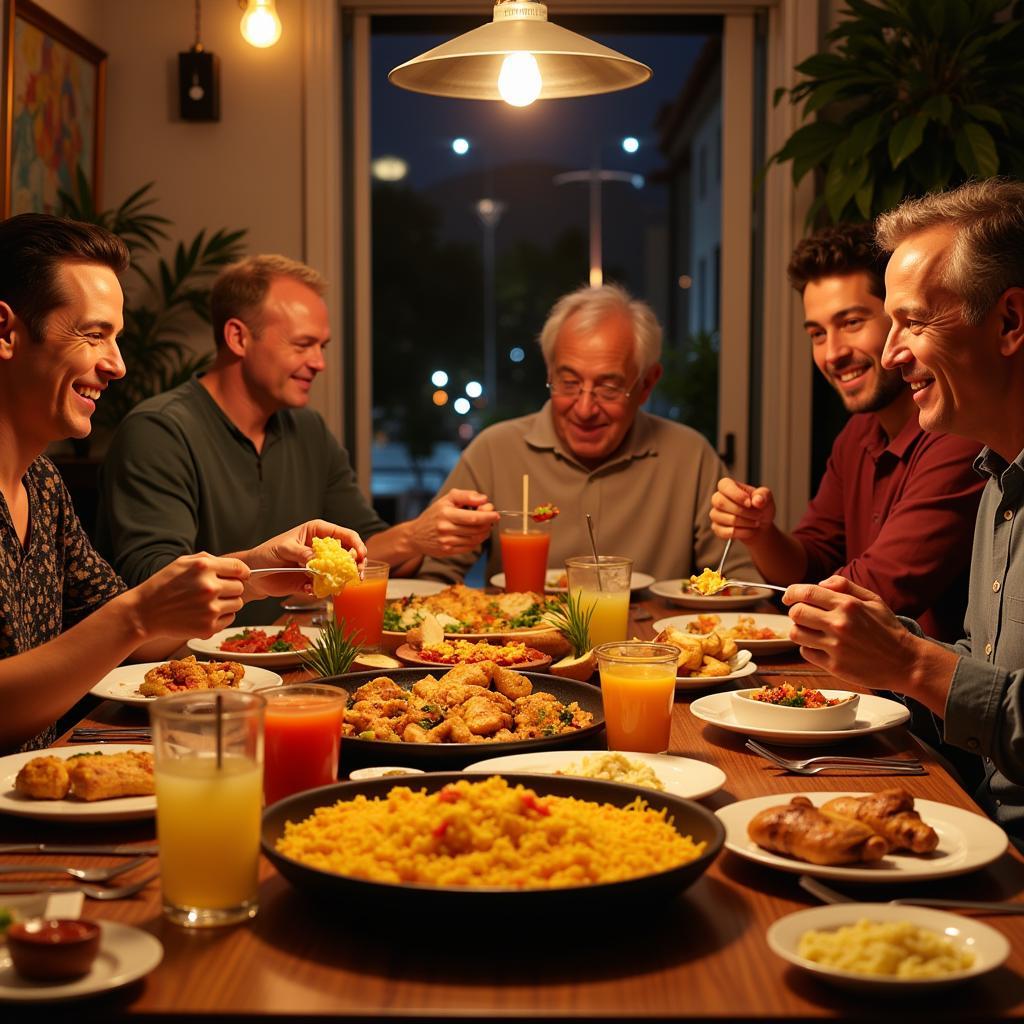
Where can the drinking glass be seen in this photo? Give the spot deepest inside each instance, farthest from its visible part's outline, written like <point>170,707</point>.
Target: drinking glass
<point>603,586</point>
<point>524,552</point>
<point>208,759</point>
<point>359,608</point>
<point>302,737</point>
<point>638,686</point>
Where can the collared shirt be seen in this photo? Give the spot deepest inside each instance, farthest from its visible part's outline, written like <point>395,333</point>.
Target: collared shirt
<point>897,517</point>
<point>984,710</point>
<point>650,501</point>
<point>180,477</point>
<point>53,581</point>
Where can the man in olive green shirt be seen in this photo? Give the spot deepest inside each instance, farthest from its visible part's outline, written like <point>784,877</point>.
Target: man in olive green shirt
<point>234,455</point>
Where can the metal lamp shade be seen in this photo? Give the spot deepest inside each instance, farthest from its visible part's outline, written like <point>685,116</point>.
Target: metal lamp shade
<point>467,67</point>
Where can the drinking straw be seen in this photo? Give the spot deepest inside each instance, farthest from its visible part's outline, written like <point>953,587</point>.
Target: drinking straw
<point>526,500</point>
<point>593,547</point>
<point>219,701</point>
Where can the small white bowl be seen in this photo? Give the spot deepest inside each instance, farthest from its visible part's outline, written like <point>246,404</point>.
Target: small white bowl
<point>759,713</point>
<point>990,947</point>
<point>378,771</point>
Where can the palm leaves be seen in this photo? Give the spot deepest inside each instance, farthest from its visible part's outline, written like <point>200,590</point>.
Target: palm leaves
<point>915,96</point>
<point>173,296</point>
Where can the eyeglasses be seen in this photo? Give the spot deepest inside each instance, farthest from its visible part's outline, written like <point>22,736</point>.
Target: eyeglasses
<point>571,387</point>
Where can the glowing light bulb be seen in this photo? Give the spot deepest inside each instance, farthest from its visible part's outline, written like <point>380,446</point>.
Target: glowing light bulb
<point>261,26</point>
<point>519,81</point>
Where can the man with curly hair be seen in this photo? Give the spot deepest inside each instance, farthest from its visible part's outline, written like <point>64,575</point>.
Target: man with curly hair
<point>895,509</point>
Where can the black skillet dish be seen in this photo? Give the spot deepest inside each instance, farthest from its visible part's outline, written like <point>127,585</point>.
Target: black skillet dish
<point>687,817</point>
<point>357,753</point>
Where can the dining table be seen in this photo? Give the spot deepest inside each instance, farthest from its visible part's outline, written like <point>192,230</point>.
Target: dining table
<point>701,955</point>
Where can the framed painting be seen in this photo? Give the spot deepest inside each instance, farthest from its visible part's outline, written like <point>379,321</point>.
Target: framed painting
<point>52,107</point>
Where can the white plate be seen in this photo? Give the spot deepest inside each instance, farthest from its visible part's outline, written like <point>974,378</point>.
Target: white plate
<point>873,715</point>
<point>413,588</point>
<point>740,663</point>
<point>989,946</point>
<point>967,841</point>
<point>681,776</point>
<point>123,683</point>
<point>210,648</point>
<point>779,623</point>
<point>672,591</point>
<point>125,954</point>
<point>637,581</point>
<point>64,905</point>
<point>122,808</point>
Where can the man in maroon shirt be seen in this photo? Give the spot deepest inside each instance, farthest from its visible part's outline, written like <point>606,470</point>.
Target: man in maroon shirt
<point>896,507</point>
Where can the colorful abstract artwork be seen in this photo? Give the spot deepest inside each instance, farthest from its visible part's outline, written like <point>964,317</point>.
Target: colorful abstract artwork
<point>55,110</point>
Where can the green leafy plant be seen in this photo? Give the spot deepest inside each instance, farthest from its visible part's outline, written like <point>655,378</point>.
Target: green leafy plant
<point>569,618</point>
<point>915,96</point>
<point>331,653</point>
<point>171,298</point>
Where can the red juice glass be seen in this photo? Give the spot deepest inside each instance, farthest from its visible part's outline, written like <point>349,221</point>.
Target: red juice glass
<point>359,608</point>
<point>524,552</point>
<point>302,737</point>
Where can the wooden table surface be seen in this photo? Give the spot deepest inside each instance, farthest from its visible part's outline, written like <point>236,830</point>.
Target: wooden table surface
<point>703,955</point>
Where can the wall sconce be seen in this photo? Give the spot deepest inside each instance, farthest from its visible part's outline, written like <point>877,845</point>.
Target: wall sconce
<point>519,57</point>
<point>261,25</point>
<point>198,82</point>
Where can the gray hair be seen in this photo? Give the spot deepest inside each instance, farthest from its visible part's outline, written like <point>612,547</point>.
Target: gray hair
<point>987,254</point>
<point>595,306</point>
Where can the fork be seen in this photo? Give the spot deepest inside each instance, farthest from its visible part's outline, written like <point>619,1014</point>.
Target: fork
<point>814,765</point>
<point>94,892</point>
<point>829,895</point>
<point>747,583</point>
<point>82,874</point>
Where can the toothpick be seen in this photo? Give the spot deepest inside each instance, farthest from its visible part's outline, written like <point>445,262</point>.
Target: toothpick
<point>526,501</point>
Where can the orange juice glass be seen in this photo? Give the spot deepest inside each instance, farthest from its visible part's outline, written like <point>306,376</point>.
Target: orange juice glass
<point>302,737</point>
<point>359,608</point>
<point>638,687</point>
<point>524,554</point>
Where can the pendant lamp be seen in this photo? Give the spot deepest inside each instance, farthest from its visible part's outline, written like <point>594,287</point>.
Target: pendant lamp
<point>519,57</point>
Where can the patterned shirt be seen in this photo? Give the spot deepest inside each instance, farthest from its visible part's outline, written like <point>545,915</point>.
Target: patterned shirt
<point>56,579</point>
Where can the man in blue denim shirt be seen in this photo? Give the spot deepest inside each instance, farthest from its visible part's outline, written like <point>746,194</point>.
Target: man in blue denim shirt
<point>955,293</point>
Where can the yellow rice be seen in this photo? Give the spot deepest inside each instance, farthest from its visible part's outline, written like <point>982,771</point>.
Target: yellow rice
<point>487,834</point>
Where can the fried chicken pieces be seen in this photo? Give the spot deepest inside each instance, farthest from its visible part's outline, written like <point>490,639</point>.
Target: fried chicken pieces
<point>476,703</point>
<point>87,776</point>
<point>845,830</point>
<point>189,674</point>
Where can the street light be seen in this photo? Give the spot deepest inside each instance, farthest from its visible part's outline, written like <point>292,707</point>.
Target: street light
<point>460,146</point>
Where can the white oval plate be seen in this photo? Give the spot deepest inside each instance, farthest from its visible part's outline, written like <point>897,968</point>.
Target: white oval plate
<point>637,581</point>
<point>779,623</point>
<point>989,946</point>
<point>681,776</point>
<point>672,591</point>
<point>123,683</point>
<point>873,715</point>
<point>126,953</point>
<point>210,647</point>
<point>967,841</point>
<point>740,663</point>
<point>413,588</point>
<point>122,808</point>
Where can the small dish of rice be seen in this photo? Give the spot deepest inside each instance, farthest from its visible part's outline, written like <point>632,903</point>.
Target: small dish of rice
<point>882,948</point>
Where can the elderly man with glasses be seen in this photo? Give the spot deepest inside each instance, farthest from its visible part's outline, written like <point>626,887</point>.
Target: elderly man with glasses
<point>647,482</point>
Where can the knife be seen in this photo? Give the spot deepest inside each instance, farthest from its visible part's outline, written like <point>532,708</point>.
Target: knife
<point>111,851</point>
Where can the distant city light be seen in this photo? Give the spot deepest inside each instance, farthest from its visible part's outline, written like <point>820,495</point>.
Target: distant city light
<point>466,431</point>
<point>637,181</point>
<point>461,406</point>
<point>439,378</point>
<point>474,389</point>
<point>460,146</point>
<point>389,168</point>
<point>517,355</point>
<point>441,397</point>
<point>630,143</point>
<point>685,281</point>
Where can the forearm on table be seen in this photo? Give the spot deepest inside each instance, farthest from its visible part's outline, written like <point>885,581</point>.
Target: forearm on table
<point>926,674</point>
<point>38,686</point>
<point>396,546</point>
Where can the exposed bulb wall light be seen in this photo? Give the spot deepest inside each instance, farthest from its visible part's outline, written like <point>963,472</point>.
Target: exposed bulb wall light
<point>261,25</point>
<point>519,57</point>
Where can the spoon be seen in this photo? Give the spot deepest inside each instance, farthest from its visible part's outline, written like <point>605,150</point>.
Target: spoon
<point>725,555</point>
<point>593,547</point>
